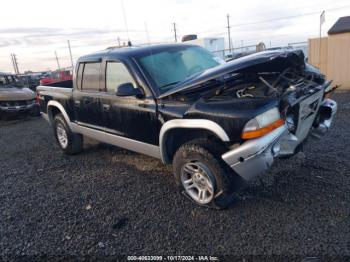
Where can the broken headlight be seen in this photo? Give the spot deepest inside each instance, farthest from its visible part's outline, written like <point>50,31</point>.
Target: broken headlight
<point>262,124</point>
<point>290,123</point>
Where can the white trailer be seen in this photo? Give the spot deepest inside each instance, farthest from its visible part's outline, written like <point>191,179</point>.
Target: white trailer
<point>215,45</point>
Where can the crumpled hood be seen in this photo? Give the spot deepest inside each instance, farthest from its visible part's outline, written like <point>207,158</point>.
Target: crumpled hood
<point>14,94</point>
<point>258,62</point>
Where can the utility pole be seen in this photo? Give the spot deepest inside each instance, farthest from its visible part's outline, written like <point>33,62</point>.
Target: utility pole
<point>175,35</point>
<point>147,34</point>
<point>58,63</point>
<point>118,39</point>
<point>322,20</point>
<point>71,57</point>
<point>229,33</point>
<point>15,63</point>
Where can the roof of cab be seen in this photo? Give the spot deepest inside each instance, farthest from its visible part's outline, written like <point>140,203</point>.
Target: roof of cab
<point>131,51</point>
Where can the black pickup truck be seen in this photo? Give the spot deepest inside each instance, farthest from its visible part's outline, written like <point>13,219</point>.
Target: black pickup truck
<point>217,123</point>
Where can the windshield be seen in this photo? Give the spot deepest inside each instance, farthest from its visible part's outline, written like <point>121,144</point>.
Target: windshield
<point>169,67</point>
<point>10,81</point>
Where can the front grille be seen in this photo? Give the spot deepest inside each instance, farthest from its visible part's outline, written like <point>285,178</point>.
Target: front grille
<point>308,109</point>
<point>16,103</point>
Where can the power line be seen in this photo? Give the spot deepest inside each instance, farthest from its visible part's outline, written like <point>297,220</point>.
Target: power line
<point>125,21</point>
<point>276,19</point>
<point>289,17</point>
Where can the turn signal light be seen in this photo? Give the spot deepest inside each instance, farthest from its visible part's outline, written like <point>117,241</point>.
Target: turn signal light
<point>262,131</point>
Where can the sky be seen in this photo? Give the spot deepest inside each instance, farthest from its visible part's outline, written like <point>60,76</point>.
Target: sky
<point>34,30</point>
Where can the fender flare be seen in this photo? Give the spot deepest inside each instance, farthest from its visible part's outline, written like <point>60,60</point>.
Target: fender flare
<point>188,124</point>
<point>58,105</point>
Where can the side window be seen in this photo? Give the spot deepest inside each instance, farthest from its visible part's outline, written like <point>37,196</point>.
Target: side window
<point>79,75</point>
<point>8,79</point>
<point>116,74</point>
<point>91,76</point>
<point>2,80</point>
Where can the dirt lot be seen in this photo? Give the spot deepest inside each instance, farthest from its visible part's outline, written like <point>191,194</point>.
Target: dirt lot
<point>109,201</point>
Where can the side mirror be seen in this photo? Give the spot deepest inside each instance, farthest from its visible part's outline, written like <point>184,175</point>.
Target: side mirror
<point>128,89</point>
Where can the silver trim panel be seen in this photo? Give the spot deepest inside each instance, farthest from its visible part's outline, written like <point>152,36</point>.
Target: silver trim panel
<point>101,128</point>
<point>255,156</point>
<point>288,145</point>
<point>53,103</point>
<point>190,124</point>
<point>101,135</point>
<point>127,143</point>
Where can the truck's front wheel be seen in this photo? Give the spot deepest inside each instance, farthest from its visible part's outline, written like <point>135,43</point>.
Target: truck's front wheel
<point>70,143</point>
<point>202,175</point>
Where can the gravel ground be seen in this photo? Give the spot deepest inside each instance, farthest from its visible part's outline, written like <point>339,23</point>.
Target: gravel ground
<point>109,201</point>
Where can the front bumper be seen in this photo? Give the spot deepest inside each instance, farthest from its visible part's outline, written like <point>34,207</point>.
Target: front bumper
<point>327,112</point>
<point>255,156</point>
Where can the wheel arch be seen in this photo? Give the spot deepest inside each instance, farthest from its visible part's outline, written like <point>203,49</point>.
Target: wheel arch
<point>54,107</point>
<point>185,130</point>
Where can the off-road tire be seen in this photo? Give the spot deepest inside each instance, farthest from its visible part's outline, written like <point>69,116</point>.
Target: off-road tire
<point>74,141</point>
<point>209,153</point>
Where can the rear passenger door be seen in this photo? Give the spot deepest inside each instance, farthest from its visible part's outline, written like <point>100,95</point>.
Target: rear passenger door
<point>86,95</point>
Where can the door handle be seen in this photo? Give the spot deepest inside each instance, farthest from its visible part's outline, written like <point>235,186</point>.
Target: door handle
<point>77,103</point>
<point>106,107</point>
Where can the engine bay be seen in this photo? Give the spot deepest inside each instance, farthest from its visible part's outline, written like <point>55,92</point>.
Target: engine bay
<point>276,84</point>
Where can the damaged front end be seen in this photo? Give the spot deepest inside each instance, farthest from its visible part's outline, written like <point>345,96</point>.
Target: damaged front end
<point>255,156</point>
<point>268,104</point>
<point>303,107</point>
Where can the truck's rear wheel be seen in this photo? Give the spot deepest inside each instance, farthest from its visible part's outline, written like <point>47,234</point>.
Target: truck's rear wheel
<point>70,143</point>
<point>202,175</point>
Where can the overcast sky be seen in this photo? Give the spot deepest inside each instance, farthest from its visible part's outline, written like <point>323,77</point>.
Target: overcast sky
<point>35,29</point>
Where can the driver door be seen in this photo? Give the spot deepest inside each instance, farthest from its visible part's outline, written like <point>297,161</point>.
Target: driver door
<point>132,117</point>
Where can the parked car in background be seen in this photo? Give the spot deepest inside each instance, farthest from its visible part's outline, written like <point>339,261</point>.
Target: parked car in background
<point>31,81</point>
<point>217,123</point>
<point>15,99</point>
<point>236,55</point>
<point>57,76</point>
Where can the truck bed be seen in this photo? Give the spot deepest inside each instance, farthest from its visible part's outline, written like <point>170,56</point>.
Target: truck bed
<point>60,92</point>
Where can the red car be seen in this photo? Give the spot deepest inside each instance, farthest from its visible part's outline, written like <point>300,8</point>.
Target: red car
<point>56,76</point>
